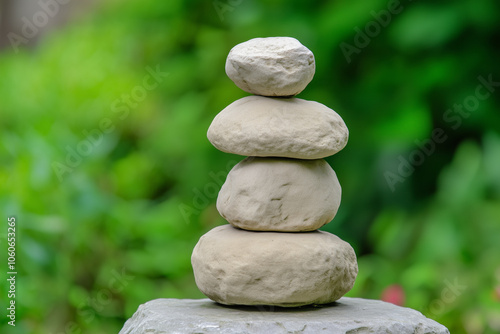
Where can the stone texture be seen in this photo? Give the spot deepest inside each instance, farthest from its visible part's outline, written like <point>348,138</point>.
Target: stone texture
<point>233,266</point>
<point>279,127</point>
<point>347,316</point>
<point>280,194</point>
<point>273,66</point>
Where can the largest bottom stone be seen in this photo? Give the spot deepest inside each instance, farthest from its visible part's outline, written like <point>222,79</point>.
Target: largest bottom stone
<point>233,266</point>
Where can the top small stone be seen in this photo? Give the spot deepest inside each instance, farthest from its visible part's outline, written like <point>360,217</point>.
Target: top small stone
<point>272,66</point>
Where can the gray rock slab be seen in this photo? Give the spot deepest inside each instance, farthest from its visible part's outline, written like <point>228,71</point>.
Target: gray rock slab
<point>347,315</point>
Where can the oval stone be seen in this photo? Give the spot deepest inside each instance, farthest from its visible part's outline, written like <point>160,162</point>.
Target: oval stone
<point>279,127</point>
<point>272,66</point>
<point>233,266</point>
<point>280,194</point>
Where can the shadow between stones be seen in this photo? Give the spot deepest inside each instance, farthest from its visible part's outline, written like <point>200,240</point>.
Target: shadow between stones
<point>280,309</point>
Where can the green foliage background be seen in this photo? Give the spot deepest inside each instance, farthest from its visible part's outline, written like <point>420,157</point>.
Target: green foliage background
<point>136,205</point>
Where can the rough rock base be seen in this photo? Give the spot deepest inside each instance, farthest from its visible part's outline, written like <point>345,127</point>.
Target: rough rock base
<point>347,315</point>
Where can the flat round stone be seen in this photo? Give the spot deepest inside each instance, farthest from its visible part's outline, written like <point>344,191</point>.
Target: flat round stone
<point>280,194</point>
<point>272,66</point>
<point>279,127</point>
<point>233,266</point>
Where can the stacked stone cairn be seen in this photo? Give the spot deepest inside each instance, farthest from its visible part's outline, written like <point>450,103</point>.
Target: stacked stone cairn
<point>276,199</point>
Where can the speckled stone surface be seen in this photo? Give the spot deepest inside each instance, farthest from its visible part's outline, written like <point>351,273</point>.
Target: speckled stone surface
<point>347,315</point>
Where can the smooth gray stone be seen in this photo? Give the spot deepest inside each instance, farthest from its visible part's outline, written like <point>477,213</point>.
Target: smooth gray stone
<point>280,194</point>
<point>347,315</point>
<point>278,127</point>
<point>236,267</point>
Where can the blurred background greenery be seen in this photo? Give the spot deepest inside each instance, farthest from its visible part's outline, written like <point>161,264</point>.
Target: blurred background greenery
<point>112,180</point>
